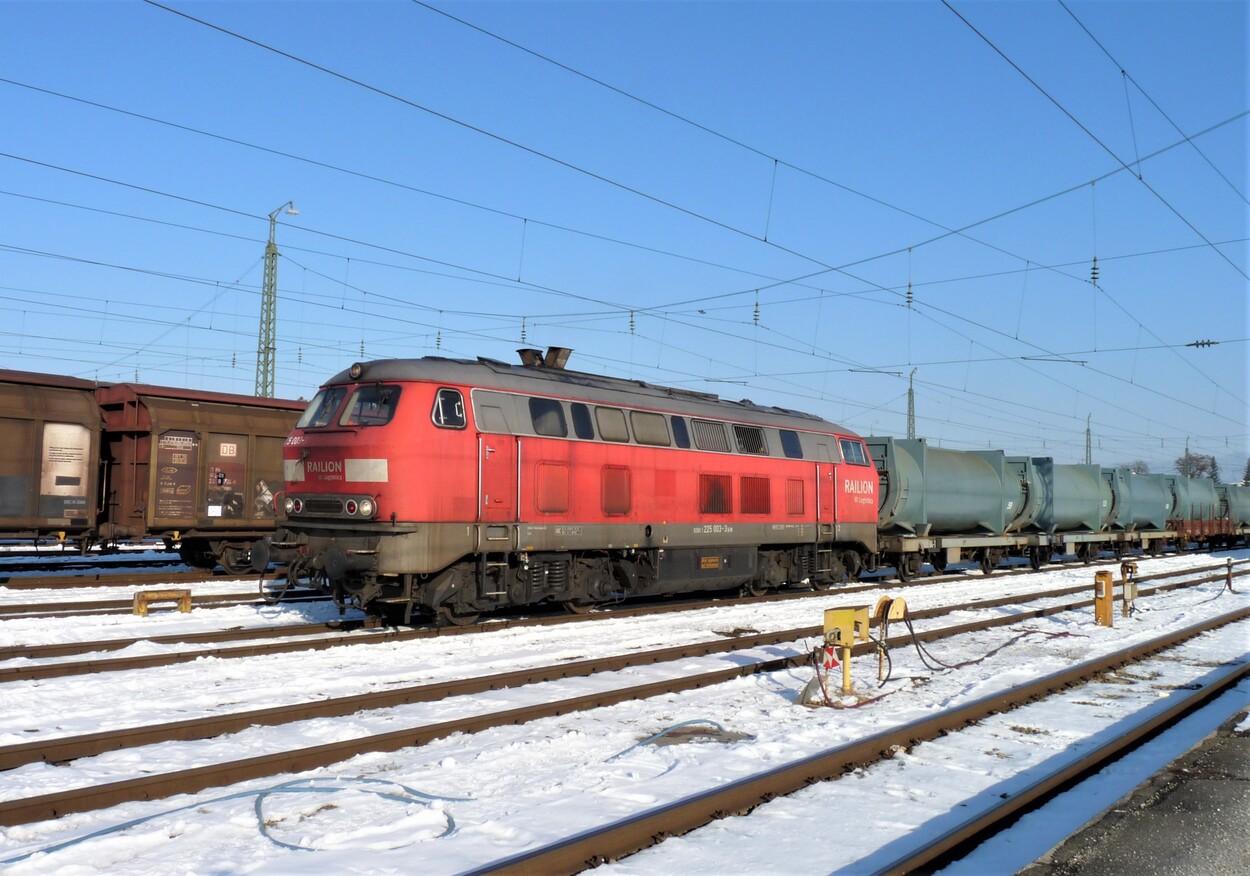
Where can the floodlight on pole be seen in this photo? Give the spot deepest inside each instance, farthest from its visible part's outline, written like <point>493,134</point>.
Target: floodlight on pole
<point>265,345</point>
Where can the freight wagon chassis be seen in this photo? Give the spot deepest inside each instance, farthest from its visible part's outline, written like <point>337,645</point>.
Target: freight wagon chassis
<point>908,553</point>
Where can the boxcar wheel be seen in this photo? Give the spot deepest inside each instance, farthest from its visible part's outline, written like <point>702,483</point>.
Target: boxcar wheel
<point>1035,558</point>
<point>908,566</point>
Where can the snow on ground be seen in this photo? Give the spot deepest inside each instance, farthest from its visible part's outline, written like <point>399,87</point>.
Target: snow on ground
<point>509,788</point>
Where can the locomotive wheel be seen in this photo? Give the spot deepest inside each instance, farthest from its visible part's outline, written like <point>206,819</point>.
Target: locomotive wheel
<point>753,588</point>
<point>853,564</point>
<point>579,606</point>
<point>448,616</point>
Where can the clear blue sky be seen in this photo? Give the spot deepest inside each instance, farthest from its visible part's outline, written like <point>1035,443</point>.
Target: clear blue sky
<point>634,180</point>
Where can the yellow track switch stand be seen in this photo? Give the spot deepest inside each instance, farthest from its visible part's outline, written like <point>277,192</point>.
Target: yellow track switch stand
<point>1104,599</point>
<point>1128,580</point>
<point>843,628</point>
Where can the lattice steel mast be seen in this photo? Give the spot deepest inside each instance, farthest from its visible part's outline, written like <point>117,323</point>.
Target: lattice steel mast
<point>265,345</point>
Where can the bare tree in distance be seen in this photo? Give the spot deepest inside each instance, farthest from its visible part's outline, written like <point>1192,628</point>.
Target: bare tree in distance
<point>1198,465</point>
<point>1139,466</point>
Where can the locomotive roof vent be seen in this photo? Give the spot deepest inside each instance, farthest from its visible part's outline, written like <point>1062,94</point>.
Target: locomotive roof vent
<point>555,358</point>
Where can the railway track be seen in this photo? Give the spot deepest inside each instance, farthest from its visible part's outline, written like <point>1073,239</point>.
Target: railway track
<point>305,637</point>
<point>318,636</point>
<point>259,765</point>
<point>629,835</point>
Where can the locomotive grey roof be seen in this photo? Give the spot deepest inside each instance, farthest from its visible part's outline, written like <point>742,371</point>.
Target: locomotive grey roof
<point>536,379</point>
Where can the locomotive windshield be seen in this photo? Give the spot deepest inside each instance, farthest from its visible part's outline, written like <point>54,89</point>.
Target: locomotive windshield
<point>371,405</point>
<point>320,411</point>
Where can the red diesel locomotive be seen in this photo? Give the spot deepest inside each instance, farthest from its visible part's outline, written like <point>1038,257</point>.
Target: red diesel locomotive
<point>448,487</point>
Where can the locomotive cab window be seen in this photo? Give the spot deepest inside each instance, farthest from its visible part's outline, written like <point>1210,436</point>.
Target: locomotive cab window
<point>853,451</point>
<point>321,410</point>
<point>547,415</point>
<point>448,410</point>
<point>372,405</point>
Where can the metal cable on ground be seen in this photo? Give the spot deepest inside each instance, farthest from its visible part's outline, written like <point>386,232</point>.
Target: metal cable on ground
<point>405,794</point>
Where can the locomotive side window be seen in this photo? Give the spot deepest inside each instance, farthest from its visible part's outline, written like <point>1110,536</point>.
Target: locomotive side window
<point>750,439</point>
<point>448,409</point>
<point>853,451</point>
<point>611,424</point>
<point>615,490</point>
<point>320,411</point>
<point>681,436</point>
<point>790,444</point>
<point>715,493</point>
<point>372,405</point>
<point>755,495</point>
<point>582,426</point>
<point>547,415</point>
<point>649,428</point>
<point>710,436</point>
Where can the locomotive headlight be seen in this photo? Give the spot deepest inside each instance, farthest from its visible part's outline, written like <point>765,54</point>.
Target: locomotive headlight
<point>366,508</point>
<point>297,505</point>
<point>351,507</point>
<point>289,505</point>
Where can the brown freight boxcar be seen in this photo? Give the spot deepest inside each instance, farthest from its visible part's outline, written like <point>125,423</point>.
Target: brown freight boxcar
<point>199,469</point>
<point>49,456</point>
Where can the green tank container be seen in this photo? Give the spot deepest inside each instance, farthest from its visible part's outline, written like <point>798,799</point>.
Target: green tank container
<point>1234,503</point>
<point>927,491</point>
<point>1176,488</point>
<point>1204,504</point>
<point>1150,502</point>
<point>1117,491</point>
<point>1074,496</point>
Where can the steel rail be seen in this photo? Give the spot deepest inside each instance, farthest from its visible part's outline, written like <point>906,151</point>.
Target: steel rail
<point>610,842</point>
<point>1047,785</point>
<point>51,610</point>
<point>123,577</point>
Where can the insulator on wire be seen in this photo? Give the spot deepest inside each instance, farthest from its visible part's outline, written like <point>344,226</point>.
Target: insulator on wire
<point>438,340</point>
<point>631,322</point>
<point>910,297</point>
<point>1093,272</point>
<point>757,312</point>
<point>522,330</point>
